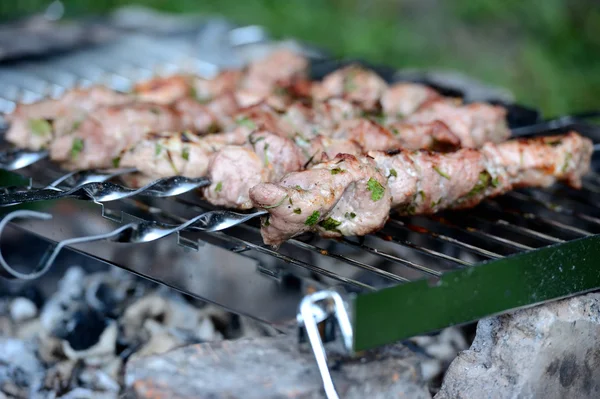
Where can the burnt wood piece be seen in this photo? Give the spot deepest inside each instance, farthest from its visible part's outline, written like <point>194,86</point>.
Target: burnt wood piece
<point>272,368</point>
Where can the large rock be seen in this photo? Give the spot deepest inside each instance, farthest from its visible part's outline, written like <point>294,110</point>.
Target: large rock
<point>550,351</point>
<point>271,368</point>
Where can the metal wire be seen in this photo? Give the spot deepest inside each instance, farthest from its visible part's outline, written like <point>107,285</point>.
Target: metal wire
<point>410,249</point>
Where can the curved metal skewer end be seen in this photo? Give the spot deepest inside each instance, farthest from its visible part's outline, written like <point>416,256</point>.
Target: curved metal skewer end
<point>14,159</point>
<point>48,258</point>
<point>7,271</point>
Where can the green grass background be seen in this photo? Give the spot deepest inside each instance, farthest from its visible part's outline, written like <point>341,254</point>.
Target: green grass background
<point>546,51</point>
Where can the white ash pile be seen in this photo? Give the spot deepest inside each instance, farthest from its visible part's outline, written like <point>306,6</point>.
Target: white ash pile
<point>75,343</point>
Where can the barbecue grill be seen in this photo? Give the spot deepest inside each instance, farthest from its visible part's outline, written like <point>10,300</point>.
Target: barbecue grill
<point>417,275</point>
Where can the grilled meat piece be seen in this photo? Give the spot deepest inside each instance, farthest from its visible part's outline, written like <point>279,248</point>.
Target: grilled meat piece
<point>322,148</point>
<point>163,90</point>
<point>423,183</point>
<point>402,99</point>
<point>281,68</point>
<point>317,120</point>
<point>233,170</point>
<point>353,83</point>
<point>175,154</point>
<point>416,182</point>
<point>105,133</point>
<point>205,90</point>
<point>345,196</point>
<point>369,134</point>
<point>34,126</point>
<point>278,155</point>
<point>474,124</point>
<point>431,136</point>
<point>540,162</point>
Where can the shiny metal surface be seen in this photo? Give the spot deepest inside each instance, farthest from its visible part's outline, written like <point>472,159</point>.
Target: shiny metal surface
<point>105,191</point>
<point>233,268</point>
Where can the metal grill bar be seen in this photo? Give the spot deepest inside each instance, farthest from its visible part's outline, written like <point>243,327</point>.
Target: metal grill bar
<point>480,251</point>
<point>406,249</point>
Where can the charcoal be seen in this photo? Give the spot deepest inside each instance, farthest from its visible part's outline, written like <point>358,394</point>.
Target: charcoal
<point>22,309</point>
<point>84,329</point>
<point>20,370</point>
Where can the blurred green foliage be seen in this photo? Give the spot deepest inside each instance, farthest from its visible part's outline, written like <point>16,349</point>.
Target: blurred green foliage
<point>546,51</point>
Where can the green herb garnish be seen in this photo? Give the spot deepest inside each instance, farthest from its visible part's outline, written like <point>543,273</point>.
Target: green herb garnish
<point>483,183</point>
<point>395,131</point>
<point>157,149</point>
<point>393,173</point>
<point>350,215</point>
<point>219,187</point>
<point>297,211</point>
<point>436,203</point>
<point>313,218</point>
<point>40,127</point>
<point>75,126</point>
<point>299,188</point>
<point>185,153</point>
<point>77,147</point>
<point>277,204</point>
<point>290,201</point>
<point>441,172</point>
<point>376,189</point>
<point>554,143</point>
<point>330,224</point>
<point>195,96</point>
<point>252,141</point>
<point>245,121</point>
<point>336,171</point>
<point>565,165</point>
<point>265,148</point>
<point>267,222</point>
<point>116,161</point>
<point>421,194</point>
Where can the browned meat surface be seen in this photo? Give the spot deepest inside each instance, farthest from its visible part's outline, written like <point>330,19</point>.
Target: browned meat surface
<point>205,90</point>
<point>195,116</point>
<point>345,196</point>
<point>322,148</point>
<point>175,154</point>
<point>281,68</point>
<point>233,171</point>
<point>354,83</point>
<point>34,126</point>
<point>163,90</point>
<point>422,182</point>
<point>317,120</point>
<point>369,134</point>
<point>542,161</point>
<point>402,99</point>
<point>279,156</point>
<point>474,124</point>
<point>433,136</point>
<point>106,132</point>
<point>326,199</point>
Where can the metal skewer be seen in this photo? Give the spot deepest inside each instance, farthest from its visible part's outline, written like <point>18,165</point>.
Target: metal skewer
<point>105,191</point>
<point>139,232</point>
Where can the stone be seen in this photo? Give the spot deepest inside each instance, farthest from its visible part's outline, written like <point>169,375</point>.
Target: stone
<point>22,309</point>
<point>550,351</point>
<point>271,368</point>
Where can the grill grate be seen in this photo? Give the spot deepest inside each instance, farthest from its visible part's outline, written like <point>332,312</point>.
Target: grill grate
<point>407,249</point>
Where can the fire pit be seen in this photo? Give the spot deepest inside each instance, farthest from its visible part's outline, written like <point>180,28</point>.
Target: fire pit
<point>524,248</point>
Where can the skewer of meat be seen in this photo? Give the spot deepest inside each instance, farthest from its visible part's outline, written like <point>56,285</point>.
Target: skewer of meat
<point>335,200</point>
